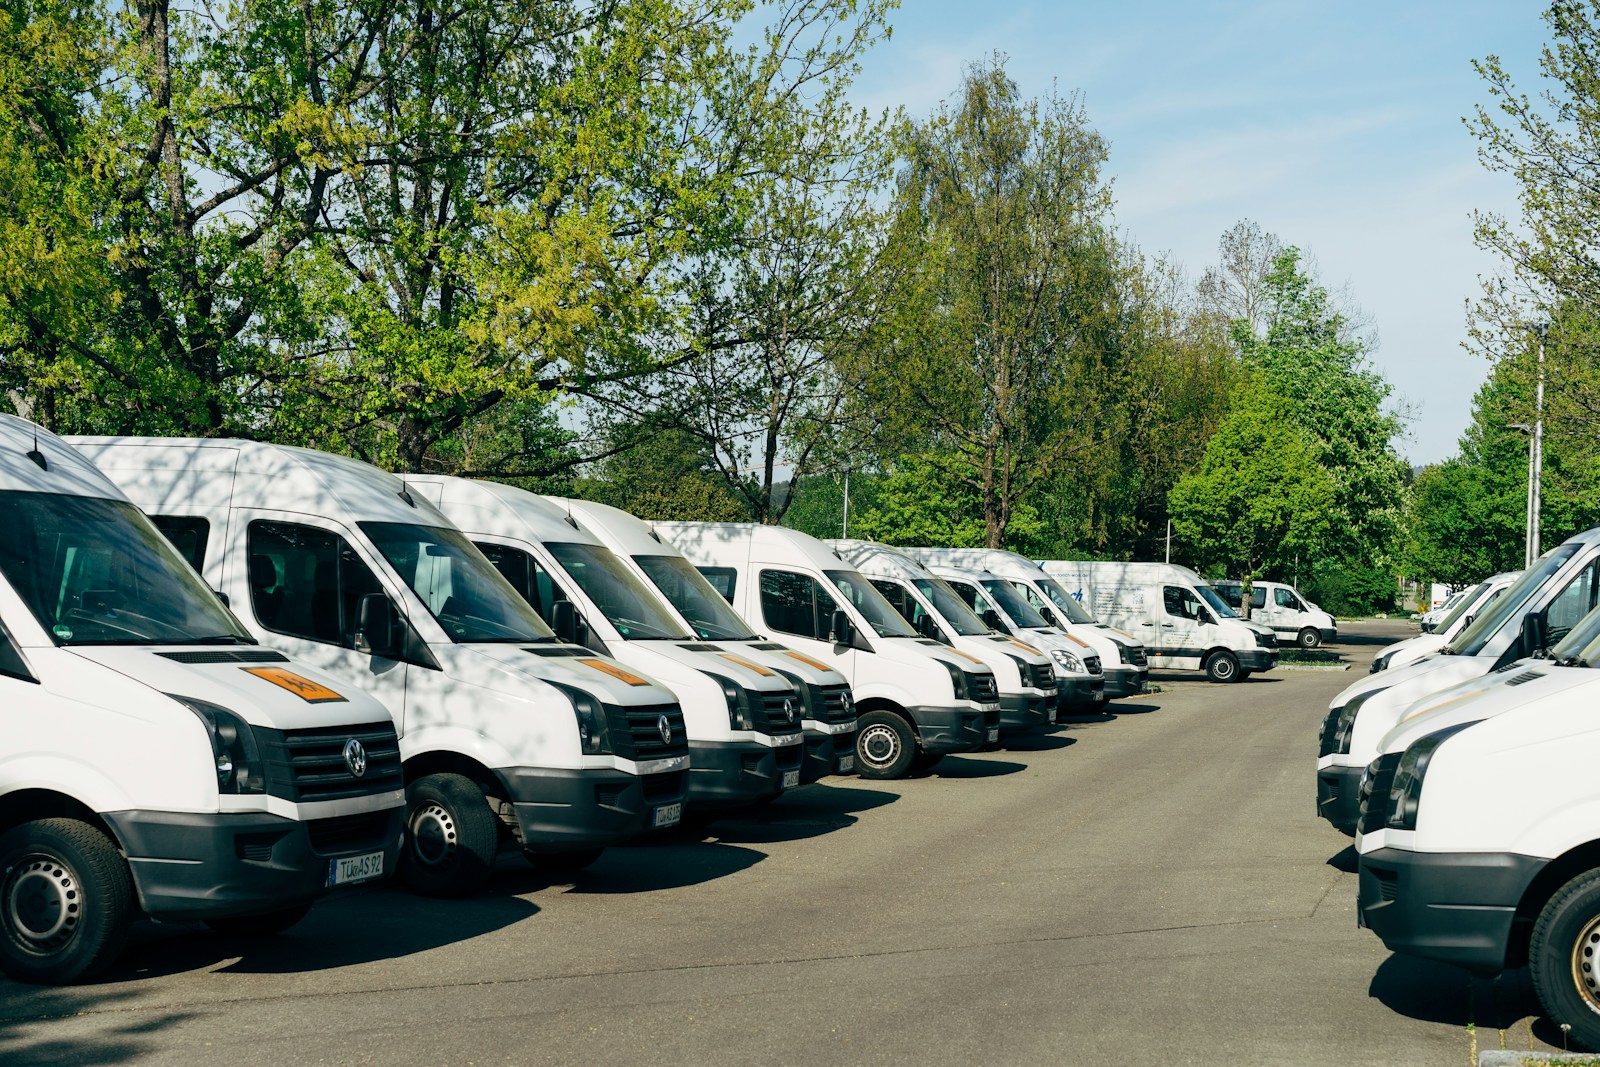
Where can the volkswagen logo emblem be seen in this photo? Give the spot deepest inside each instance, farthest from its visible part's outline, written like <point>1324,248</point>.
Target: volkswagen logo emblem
<point>664,724</point>
<point>355,757</point>
<point>788,710</point>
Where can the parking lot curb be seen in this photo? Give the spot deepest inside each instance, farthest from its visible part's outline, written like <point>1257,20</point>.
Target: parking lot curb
<point>1506,1058</point>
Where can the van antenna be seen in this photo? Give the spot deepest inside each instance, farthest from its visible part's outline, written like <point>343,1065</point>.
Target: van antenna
<point>405,491</point>
<point>37,456</point>
<point>566,502</point>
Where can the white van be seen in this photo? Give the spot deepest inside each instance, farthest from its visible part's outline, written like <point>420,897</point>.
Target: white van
<point>1480,831</point>
<point>1537,610</point>
<point>1429,620</point>
<point>1282,607</point>
<point>1474,600</point>
<point>1121,656</point>
<point>828,715</point>
<point>743,721</point>
<point>510,740</point>
<point>155,760</point>
<point>1181,619</point>
<point>1027,682</point>
<point>916,699</point>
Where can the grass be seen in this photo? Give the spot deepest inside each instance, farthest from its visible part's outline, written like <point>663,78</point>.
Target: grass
<point>1316,656</point>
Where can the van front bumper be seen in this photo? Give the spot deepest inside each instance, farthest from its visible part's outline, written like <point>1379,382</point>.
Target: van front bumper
<point>1328,633</point>
<point>563,810</point>
<point>1339,797</point>
<point>1079,690</point>
<point>1018,711</point>
<point>964,729</point>
<point>1258,659</point>
<point>828,754</point>
<point>1457,907</point>
<point>734,774</point>
<point>1126,681</point>
<point>190,866</point>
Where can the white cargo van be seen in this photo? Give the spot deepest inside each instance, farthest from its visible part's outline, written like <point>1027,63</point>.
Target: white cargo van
<point>1181,619</point>
<point>155,760</point>
<point>1290,615</point>
<point>1429,621</point>
<point>828,715</point>
<point>1460,617</point>
<point>1480,830</point>
<point>1120,656</point>
<point>917,700</point>
<point>1027,682</point>
<point>743,721</point>
<point>510,739</point>
<point>1538,609</point>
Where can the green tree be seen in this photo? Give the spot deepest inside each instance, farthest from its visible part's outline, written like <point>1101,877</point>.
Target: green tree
<point>1260,498</point>
<point>657,471</point>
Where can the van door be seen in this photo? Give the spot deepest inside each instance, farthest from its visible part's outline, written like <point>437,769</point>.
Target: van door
<point>1179,641</point>
<point>799,609</point>
<point>304,581</point>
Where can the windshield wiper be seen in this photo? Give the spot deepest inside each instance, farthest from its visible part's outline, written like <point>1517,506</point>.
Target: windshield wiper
<point>218,639</point>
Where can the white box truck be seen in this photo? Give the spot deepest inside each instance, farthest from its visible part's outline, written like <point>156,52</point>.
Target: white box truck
<point>743,721</point>
<point>1182,621</point>
<point>510,739</point>
<point>156,761</point>
<point>916,700</point>
<point>1283,608</point>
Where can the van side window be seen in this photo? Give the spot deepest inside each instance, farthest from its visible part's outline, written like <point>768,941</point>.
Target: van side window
<point>1035,601</point>
<point>723,579</point>
<point>901,600</point>
<point>796,604</point>
<point>188,534</point>
<point>1572,603</point>
<point>1180,602</point>
<point>968,595</point>
<point>306,582</point>
<point>1258,597</point>
<point>525,575</point>
<point>1287,599</point>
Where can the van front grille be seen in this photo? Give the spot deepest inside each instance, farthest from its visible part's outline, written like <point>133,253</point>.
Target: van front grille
<point>636,733</point>
<point>310,765</point>
<point>832,703</point>
<point>772,720</point>
<point>350,833</point>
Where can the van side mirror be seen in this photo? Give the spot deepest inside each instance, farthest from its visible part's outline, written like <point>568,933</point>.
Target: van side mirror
<point>1051,618</point>
<point>565,622</point>
<point>840,629</point>
<point>378,626</point>
<point>223,597</point>
<point>928,628</point>
<point>991,619</point>
<point>1533,632</point>
<point>1204,618</point>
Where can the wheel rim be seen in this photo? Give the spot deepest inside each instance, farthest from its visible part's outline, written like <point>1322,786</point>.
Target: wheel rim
<point>433,835</point>
<point>1223,668</point>
<point>880,745</point>
<point>43,903</point>
<point>1310,639</point>
<point>1585,961</point>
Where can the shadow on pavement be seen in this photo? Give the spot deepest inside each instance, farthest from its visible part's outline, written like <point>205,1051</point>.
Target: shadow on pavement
<point>1087,718</point>
<point>1348,639</point>
<point>809,811</point>
<point>960,767</point>
<point>667,862</point>
<point>1440,993</point>
<point>1038,741</point>
<point>1345,860</point>
<point>26,1007</point>
<point>1135,709</point>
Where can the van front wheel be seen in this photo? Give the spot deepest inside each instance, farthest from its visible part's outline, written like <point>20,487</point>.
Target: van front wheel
<point>451,836</point>
<point>1223,667</point>
<point>885,745</point>
<point>1310,638</point>
<point>1564,958</point>
<point>66,901</point>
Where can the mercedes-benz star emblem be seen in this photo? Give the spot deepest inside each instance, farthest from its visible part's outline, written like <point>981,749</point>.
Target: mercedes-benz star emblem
<point>355,757</point>
<point>664,724</point>
<point>788,710</point>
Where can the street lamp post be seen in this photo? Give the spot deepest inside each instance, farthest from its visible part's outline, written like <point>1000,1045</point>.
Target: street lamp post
<point>1531,531</point>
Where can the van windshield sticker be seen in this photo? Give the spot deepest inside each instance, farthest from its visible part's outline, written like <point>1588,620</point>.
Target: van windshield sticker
<point>304,688</point>
<point>749,666</point>
<point>808,661</point>
<point>616,672</point>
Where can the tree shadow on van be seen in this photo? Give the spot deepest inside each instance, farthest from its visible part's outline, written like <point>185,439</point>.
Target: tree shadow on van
<point>30,1028</point>
<point>1441,993</point>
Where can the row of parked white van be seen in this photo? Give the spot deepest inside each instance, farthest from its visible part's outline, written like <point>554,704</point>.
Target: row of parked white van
<point>1463,765</point>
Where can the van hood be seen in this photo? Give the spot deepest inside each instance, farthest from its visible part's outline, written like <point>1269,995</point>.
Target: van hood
<point>785,660</point>
<point>708,658</point>
<point>265,688</point>
<point>1420,681</point>
<point>1522,685</point>
<point>1395,676</point>
<point>518,669</point>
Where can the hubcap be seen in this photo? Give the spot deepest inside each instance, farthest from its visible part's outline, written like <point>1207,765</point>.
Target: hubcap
<point>880,745</point>
<point>1585,959</point>
<point>433,834</point>
<point>43,903</point>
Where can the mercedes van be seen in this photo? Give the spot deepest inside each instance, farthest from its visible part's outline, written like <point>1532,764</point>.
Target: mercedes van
<point>743,720</point>
<point>156,761</point>
<point>828,715</point>
<point>1474,600</point>
<point>1023,673</point>
<point>510,739</point>
<point>916,699</point>
<point>1282,607</point>
<point>1181,619</point>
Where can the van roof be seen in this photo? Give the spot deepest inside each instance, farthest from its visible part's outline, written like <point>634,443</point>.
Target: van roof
<point>284,477</point>
<point>65,470</point>
<point>628,534</point>
<point>504,510</point>
<point>1002,562</point>
<point>766,544</point>
<point>870,557</point>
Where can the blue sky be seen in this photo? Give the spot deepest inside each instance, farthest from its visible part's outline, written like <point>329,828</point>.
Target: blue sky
<point>1335,126</point>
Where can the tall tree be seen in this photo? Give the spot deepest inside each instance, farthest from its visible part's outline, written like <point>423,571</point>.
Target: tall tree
<point>1236,288</point>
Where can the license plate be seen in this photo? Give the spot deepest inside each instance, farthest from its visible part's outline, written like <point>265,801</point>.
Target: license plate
<point>847,763</point>
<point>994,735</point>
<point>791,779</point>
<point>990,707</point>
<point>667,815</point>
<point>354,869</point>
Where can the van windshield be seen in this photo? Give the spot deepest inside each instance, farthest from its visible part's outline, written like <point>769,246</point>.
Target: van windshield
<point>472,601</point>
<point>1515,600</point>
<point>96,572</point>
<point>621,597</point>
<point>951,607</point>
<point>1074,611</point>
<point>1017,609</point>
<point>1581,647</point>
<point>1468,598</point>
<point>879,613</point>
<point>695,599</point>
<point>1220,606</point>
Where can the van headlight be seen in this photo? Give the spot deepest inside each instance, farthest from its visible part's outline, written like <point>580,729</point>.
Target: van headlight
<point>1345,725</point>
<point>1405,795</point>
<point>958,679</point>
<point>1068,663</point>
<point>591,716</point>
<point>738,698</point>
<point>235,754</point>
<point>1380,663</point>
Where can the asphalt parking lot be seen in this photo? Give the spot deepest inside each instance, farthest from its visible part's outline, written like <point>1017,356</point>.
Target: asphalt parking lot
<point>1147,886</point>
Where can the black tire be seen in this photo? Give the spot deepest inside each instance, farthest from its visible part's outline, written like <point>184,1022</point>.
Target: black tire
<point>1222,667</point>
<point>1244,674</point>
<point>266,925</point>
<point>66,901</point>
<point>1564,958</point>
<point>563,863</point>
<point>1309,638</point>
<point>924,762</point>
<point>451,836</point>
<point>885,745</point>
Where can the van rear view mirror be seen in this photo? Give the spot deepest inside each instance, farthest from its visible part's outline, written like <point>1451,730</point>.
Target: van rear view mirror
<point>991,619</point>
<point>1533,633</point>
<point>564,621</point>
<point>378,626</point>
<point>839,628</point>
<point>928,628</point>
